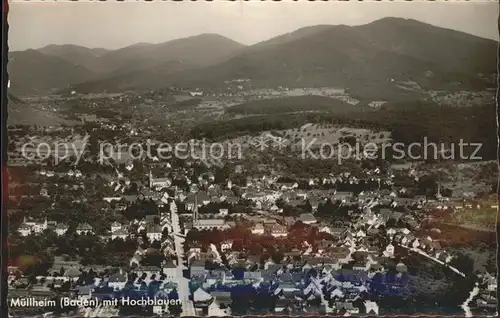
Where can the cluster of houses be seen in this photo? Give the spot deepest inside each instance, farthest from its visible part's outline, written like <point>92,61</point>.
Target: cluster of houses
<point>34,226</point>
<point>75,280</point>
<point>329,275</point>
<point>487,296</point>
<point>335,275</point>
<point>38,226</point>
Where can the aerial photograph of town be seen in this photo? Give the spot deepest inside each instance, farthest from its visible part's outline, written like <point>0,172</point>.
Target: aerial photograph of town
<point>174,159</point>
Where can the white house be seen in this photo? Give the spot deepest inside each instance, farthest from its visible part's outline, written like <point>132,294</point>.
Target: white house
<point>492,284</point>
<point>307,218</point>
<point>405,240</point>
<point>135,260</point>
<point>120,233</point>
<point>142,226</point>
<point>274,208</point>
<point>325,229</point>
<point>342,196</point>
<point>415,243</point>
<point>207,224</point>
<point>154,233</point>
<point>129,166</point>
<point>24,230</point>
<point>170,271</point>
<point>173,205</point>
<point>109,199</point>
<point>37,226</point>
<point>360,233</point>
<point>118,280</point>
<point>258,229</point>
<point>44,192</point>
<point>61,229</point>
<point>389,250</point>
<point>391,231</point>
<point>159,182</point>
<point>196,93</point>
<point>83,228</point>
<point>289,186</point>
<point>160,310</point>
<point>115,226</point>
<point>196,249</point>
<point>279,231</point>
<point>371,307</point>
<point>405,231</point>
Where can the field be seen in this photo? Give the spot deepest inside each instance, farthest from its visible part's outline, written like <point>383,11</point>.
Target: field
<point>20,113</point>
<point>456,235</point>
<point>468,177</point>
<point>485,216</point>
<point>293,104</point>
<point>313,133</point>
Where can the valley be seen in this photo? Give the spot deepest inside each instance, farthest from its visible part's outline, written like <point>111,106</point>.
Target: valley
<point>321,171</point>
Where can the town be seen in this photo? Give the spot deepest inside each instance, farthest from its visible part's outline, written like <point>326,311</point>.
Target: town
<point>230,239</point>
<point>324,158</point>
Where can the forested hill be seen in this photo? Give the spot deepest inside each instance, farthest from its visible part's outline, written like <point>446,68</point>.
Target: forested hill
<point>409,123</point>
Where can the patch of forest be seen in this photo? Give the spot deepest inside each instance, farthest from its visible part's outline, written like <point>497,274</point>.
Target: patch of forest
<point>407,122</point>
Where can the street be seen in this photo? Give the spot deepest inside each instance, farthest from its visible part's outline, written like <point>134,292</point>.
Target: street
<point>182,282</point>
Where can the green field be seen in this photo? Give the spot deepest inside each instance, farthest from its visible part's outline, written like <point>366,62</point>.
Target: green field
<point>484,216</point>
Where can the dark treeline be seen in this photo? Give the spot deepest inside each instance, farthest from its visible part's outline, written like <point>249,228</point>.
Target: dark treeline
<point>291,104</point>
<point>185,104</point>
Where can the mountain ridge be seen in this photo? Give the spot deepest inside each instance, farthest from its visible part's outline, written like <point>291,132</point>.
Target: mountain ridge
<point>101,64</point>
<point>371,54</point>
<point>330,54</point>
<point>25,67</point>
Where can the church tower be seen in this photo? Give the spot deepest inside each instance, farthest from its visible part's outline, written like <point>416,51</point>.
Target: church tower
<point>150,179</point>
<point>195,209</point>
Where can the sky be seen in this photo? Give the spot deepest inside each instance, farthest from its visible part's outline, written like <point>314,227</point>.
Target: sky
<point>113,25</point>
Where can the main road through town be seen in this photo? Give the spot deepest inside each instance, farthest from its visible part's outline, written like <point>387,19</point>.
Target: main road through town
<point>180,280</point>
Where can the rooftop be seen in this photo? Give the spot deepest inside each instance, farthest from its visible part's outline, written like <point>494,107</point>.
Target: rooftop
<point>200,295</point>
<point>210,222</point>
<point>84,226</point>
